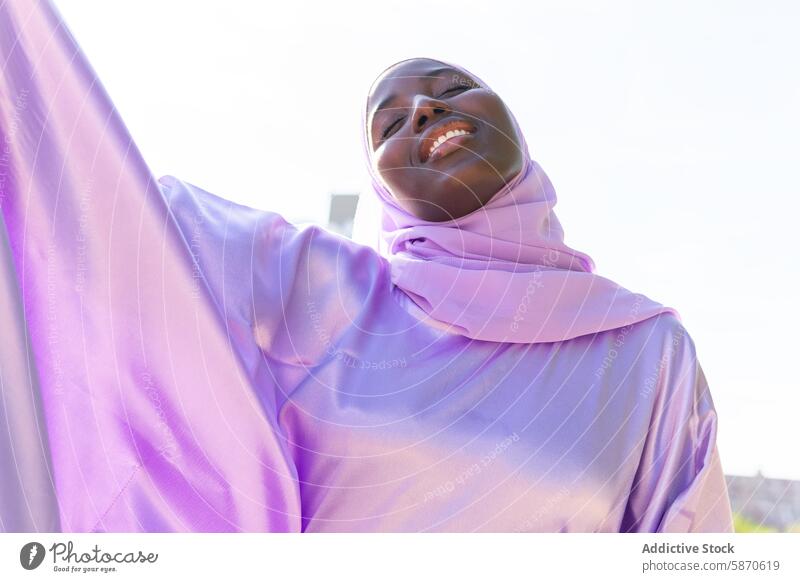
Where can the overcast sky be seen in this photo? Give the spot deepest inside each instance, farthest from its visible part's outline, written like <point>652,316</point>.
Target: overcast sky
<point>671,134</point>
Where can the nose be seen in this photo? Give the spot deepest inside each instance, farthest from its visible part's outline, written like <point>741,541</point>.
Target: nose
<point>425,110</point>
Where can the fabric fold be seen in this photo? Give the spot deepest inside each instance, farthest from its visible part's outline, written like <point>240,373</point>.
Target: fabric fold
<point>156,419</point>
<point>679,486</point>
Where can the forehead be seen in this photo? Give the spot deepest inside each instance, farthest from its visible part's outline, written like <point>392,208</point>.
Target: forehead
<point>409,73</point>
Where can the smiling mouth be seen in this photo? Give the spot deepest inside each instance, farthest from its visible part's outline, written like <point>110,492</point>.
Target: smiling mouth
<point>444,138</point>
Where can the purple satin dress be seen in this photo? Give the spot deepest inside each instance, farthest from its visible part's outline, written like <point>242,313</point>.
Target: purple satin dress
<point>174,361</point>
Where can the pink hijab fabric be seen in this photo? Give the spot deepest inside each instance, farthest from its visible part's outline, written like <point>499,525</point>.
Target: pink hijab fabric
<point>503,272</point>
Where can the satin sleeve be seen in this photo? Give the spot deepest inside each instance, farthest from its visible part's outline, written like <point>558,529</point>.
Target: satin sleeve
<point>157,413</point>
<point>679,484</point>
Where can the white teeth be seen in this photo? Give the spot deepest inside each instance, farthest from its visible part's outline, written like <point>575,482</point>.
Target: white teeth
<point>443,138</point>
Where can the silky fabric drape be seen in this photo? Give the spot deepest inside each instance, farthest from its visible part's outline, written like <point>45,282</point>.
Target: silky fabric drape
<point>174,361</point>
<point>152,405</point>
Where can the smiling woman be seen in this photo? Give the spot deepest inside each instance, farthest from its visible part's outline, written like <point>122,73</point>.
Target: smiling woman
<point>219,369</point>
<point>470,232</point>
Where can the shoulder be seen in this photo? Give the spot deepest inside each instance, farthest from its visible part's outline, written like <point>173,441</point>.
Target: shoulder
<point>666,333</point>
<point>675,383</point>
<point>653,358</point>
<point>640,344</point>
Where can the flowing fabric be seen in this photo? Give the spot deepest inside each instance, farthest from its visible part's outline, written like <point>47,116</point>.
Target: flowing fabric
<point>173,361</point>
<point>154,399</point>
<point>503,272</point>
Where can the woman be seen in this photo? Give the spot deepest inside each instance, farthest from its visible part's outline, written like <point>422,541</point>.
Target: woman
<point>197,365</point>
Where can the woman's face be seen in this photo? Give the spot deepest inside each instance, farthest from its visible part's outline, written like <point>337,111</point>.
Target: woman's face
<point>443,144</point>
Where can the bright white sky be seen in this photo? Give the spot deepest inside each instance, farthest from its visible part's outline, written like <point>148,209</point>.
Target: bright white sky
<point>671,133</point>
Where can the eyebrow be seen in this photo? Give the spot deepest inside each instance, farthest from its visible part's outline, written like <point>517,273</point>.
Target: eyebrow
<point>431,74</point>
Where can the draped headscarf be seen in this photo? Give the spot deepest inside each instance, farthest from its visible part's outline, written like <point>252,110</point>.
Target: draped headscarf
<point>502,272</point>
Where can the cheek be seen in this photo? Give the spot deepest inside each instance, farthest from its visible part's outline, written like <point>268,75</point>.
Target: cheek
<point>491,110</point>
<point>393,153</point>
<point>507,133</point>
<point>378,158</point>
<point>390,161</point>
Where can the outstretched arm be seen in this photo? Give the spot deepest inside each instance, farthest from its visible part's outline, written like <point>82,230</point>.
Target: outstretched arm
<point>155,420</point>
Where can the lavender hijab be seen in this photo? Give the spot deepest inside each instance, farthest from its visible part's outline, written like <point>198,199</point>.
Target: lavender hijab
<point>502,273</point>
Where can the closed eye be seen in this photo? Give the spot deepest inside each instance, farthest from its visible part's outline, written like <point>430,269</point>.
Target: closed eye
<point>392,126</point>
<point>454,90</point>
